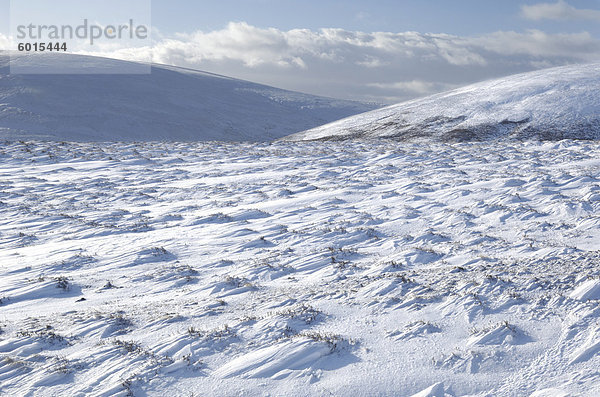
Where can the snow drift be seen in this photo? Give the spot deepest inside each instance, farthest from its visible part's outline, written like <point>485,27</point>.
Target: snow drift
<point>169,104</point>
<point>551,104</point>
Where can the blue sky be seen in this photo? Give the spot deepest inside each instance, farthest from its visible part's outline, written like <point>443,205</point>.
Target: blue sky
<point>384,51</point>
<point>460,17</point>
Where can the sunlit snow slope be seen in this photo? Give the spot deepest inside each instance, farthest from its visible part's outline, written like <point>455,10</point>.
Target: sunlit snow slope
<point>169,104</point>
<point>554,103</point>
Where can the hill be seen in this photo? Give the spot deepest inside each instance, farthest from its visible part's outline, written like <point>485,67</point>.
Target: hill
<point>550,104</point>
<point>171,103</point>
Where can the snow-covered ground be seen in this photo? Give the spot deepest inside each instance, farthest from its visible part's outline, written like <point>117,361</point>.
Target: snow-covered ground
<point>174,104</point>
<point>352,268</point>
<point>556,103</point>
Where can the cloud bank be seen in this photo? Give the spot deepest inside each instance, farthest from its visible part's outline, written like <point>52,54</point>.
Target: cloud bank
<point>560,10</point>
<point>377,66</point>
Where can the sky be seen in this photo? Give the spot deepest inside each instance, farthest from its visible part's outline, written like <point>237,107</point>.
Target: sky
<point>380,50</point>
<point>459,17</point>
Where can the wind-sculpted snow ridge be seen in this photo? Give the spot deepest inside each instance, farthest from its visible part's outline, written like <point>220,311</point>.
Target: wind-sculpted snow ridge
<point>552,104</point>
<point>173,104</point>
<point>353,268</point>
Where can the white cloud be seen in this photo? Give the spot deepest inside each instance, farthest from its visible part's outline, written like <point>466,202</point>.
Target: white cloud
<point>254,47</point>
<point>560,10</point>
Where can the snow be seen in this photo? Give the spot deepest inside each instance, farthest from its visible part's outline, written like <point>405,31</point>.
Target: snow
<point>587,290</point>
<point>551,104</point>
<point>278,361</point>
<point>314,268</point>
<point>436,390</point>
<point>173,104</point>
<point>549,393</point>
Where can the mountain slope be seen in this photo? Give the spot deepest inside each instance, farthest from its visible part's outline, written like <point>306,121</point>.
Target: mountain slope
<point>169,104</point>
<point>555,103</point>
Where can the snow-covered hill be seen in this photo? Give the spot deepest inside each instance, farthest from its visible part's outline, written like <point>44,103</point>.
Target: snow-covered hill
<point>555,103</point>
<point>169,104</point>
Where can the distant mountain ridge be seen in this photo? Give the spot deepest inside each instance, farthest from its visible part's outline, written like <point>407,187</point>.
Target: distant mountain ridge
<point>175,104</point>
<point>551,104</point>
